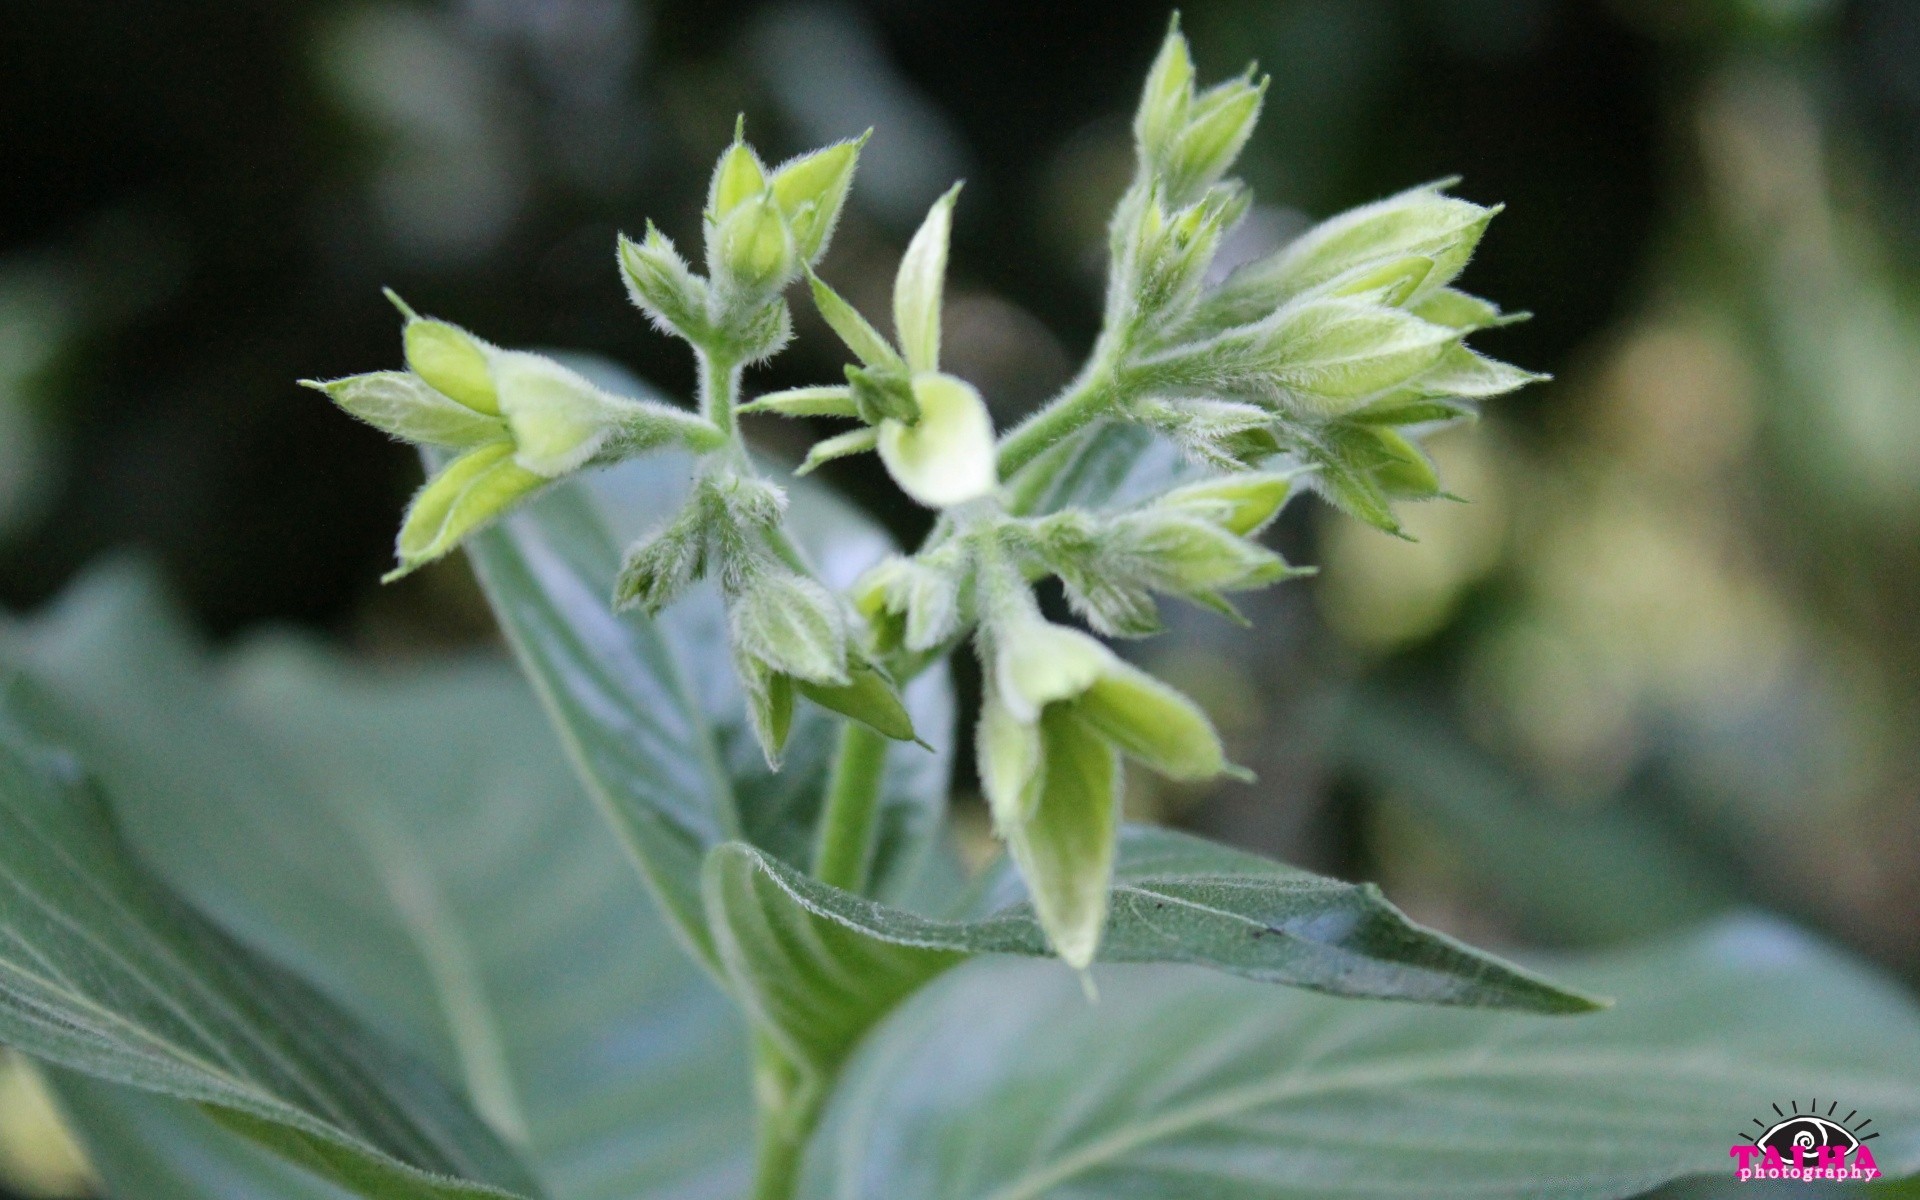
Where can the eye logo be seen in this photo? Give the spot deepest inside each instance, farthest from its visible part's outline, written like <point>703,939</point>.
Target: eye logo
<point>1807,1144</point>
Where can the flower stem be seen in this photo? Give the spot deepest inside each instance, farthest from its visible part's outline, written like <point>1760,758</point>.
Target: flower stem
<point>719,389</point>
<point>843,855</point>
<point>1085,399</point>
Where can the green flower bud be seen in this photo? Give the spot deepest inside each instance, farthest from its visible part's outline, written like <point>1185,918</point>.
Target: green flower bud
<point>468,493</point>
<point>1457,310</point>
<point>753,248</point>
<point>1009,757</point>
<point>1243,503</point>
<point>880,394</point>
<point>400,403</point>
<point>769,696</point>
<point>869,698</point>
<point>917,287</point>
<point>655,571</point>
<point>1405,470</point>
<point>1189,556</point>
<point>947,456</point>
<point>790,624</point>
<point>1149,721</point>
<point>1219,122</point>
<point>1315,357</point>
<point>560,421</point>
<point>452,361</point>
<point>660,283</point>
<point>1163,102</point>
<point>737,178</point>
<point>1037,663</point>
<point>1220,433</point>
<point>1421,222</point>
<point>1462,372</point>
<point>811,191</point>
<point>911,602</point>
<point>1066,849</point>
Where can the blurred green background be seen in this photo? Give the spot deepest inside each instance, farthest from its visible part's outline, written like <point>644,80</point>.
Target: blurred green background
<point>1663,659</point>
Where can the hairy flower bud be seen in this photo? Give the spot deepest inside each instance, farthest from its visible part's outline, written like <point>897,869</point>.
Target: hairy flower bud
<point>463,498</point>
<point>452,361</point>
<point>661,285</point>
<point>753,249</point>
<point>1243,503</point>
<point>402,404</point>
<point>1162,114</point>
<point>812,189</point>
<point>737,176</point>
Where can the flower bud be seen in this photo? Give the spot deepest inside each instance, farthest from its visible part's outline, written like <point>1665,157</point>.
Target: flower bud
<point>737,177</point>
<point>1243,503</point>
<point>1191,557</point>
<point>1164,100</point>
<point>911,602</point>
<point>947,456</point>
<point>1458,310</point>
<point>468,493</point>
<point>753,248</point>
<point>655,571</point>
<point>662,286</point>
<point>1219,122</point>
<point>1404,471</point>
<point>1315,357</point>
<point>452,361</point>
<point>1037,663</point>
<point>811,191</point>
<point>1066,849</point>
<point>559,420</point>
<point>769,696</point>
<point>1151,722</point>
<point>789,623</point>
<point>1221,433</point>
<point>400,403</point>
<point>880,395</point>
<point>1421,222</point>
<point>869,697</point>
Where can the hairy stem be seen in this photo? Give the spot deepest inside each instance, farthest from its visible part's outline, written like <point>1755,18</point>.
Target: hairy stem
<point>719,390</point>
<point>843,855</point>
<point>1085,400</point>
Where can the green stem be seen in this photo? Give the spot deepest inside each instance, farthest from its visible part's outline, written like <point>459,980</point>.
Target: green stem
<point>1085,400</point>
<point>843,855</point>
<point>719,390</point>
<point>785,1115</point>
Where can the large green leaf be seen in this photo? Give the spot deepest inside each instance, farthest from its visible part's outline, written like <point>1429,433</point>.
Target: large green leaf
<point>418,844</point>
<point>106,971</point>
<point>818,966</point>
<point>145,1145</point>
<point>650,709</point>
<point>1001,1082</point>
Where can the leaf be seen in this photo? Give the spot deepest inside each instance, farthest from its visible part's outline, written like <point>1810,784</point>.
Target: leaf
<point>106,971</point>
<point>145,1145</point>
<point>650,710</point>
<point>1001,1082</point>
<point>818,965</point>
<point>417,845</point>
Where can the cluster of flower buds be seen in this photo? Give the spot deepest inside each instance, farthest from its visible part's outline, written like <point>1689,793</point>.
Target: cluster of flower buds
<point>517,422</point>
<point>1058,711</point>
<point>763,227</point>
<point>1330,351</point>
<point>931,429</point>
<point>788,632</point>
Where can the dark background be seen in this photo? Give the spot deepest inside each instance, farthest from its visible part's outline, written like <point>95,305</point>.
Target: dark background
<point>1663,660</point>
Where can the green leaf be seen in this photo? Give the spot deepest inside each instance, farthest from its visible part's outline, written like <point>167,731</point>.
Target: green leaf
<point>142,1145</point>
<point>106,971</point>
<point>1001,1082</point>
<point>650,710</point>
<point>417,845</point>
<point>819,964</point>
